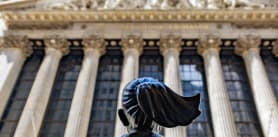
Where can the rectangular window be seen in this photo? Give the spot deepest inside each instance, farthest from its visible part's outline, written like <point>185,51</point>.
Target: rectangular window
<point>240,95</point>
<point>58,108</point>
<point>104,108</point>
<point>20,94</point>
<point>193,82</point>
<point>151,64</point>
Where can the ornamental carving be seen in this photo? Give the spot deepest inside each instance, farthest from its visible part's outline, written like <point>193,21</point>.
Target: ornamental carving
<point>152,4</point>
<point>94,42</point>
<point>61,6</point>
<point>275,48</point>
<point>20,42</point>
<point>132,42</point>
<point>57,43</point>
<point>207,42</point>
<point>170,42</point>
<point>246,43</point>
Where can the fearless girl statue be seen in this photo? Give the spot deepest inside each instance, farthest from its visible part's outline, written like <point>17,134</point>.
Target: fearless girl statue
<point>148,104</point>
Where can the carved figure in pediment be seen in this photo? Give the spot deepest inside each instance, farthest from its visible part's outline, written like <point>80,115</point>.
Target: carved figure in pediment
<point>153,4</point>
<point>61,5</point>
<point>176,4</point>
<point>197,4</point>
<point>213,4</point>
<point>150,4</point>
<point>95,4</point>
<point>131,4</point>
<point>245,4</point>
<point>110,4</point>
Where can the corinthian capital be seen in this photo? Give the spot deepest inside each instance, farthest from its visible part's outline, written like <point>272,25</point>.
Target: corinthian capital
<point>132,42</point>
<point>246,43</point>
<point>275,48</point>
<point>20,42</point>
<point>208,42</point>
<point>57,43</point>
<point>170,42</point>
<point>94,42</point>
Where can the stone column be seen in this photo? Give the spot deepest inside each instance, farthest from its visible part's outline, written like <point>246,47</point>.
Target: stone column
<point>275,48</point>
<point>13,52</point>
<point>222,116</point>
<point>132,47</point>
<point>79,116</point>
<point>265,101</point>
<point>36,105</point>
<point>170,48</point>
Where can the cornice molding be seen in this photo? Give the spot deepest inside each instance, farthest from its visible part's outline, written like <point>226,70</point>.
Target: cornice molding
<point>139,16</point>
<point>16,4</point>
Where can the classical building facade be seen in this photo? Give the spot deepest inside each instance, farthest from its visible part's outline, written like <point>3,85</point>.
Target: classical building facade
<point>64,64</point>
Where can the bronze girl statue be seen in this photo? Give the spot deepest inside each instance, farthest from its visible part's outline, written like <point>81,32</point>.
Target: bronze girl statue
<point>148,104</point>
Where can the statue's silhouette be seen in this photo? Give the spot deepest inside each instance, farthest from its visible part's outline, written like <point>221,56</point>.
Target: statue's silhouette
<point>148,103</point>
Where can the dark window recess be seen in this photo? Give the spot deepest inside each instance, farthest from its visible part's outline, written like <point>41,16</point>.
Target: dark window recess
<point>58,108</point>
<point>240,95</point>
<point>104,108</point>
<point>271,66</point>
<point>20,94</point>
<point>193,82</point>
<point>151,64</point>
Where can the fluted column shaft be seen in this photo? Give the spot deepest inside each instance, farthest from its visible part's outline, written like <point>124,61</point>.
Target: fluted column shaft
<point>170,48</point>
<point>11,62</point>
<point>36,105</point>
<point>132,48</point>
<point>13,52</point>
<point>220,106</point>
<point>265,101</point>
<point>79,116</point>
<point>171,70</point>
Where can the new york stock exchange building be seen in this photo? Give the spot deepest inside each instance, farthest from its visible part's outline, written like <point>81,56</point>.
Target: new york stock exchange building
<point>64,64</point>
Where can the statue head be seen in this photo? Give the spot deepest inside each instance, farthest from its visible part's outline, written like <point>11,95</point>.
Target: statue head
<point>147,103</point>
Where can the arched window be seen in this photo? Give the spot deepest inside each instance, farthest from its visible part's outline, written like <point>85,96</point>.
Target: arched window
<point>193,82</point>
<point>103,114</point>
<point>240,95</point>
<point>55,118</point>
<point>20,94</point>
<point>271,66</point>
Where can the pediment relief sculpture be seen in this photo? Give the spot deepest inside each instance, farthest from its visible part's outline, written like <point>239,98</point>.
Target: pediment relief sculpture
<point>154,4</point>
<point>246,4</point>
<point>142,4</point>
<point>61,6</point>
